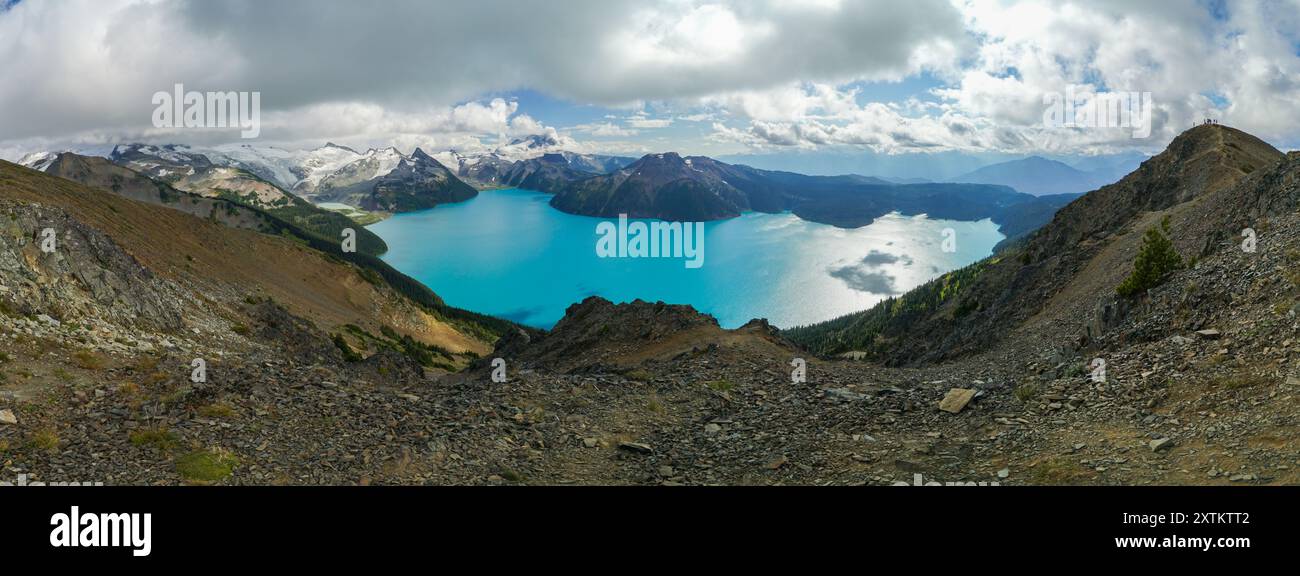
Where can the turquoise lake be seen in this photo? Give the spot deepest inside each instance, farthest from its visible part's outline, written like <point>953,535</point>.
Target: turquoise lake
<point>508,253</point>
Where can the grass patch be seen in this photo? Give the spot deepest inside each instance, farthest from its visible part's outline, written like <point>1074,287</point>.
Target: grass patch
<point>1057,471</point>
<point>129,389</point>
<point>44,439</point>
<point>720,385</point>
<point>206,466</point>
<point>638,375</point>
<point>1027,391</point>
<point>87,360</point>
<point>217,410</point>
<point>1240,380</point>
<point>145,364</point>
<point>655,405</point>
<point>160,439</point>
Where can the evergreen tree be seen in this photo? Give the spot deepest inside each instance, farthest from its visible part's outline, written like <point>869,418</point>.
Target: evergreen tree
<point>1155,261</point>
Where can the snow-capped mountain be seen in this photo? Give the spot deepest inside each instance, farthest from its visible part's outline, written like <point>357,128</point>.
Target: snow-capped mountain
<point>264,175</point>
<point>342,169</point>
<point>502,166</point>
<point>331,173</point>
<point>38,160</point>
<point>418,182</point>
<point>192,171</point>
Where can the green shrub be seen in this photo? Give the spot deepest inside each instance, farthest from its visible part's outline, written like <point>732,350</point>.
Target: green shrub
<point>1155,261</point>
<point>349,354</point>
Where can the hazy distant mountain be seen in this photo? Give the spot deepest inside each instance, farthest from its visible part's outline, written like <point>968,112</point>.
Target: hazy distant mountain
<point>919,168</point>
<point>597,163</point>
<point>1109,168</point>
<point>1034,175</point>
<point>932,166</point>
<point>893,180</point>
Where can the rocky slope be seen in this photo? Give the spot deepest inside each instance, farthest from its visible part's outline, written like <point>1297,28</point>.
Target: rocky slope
<point>130,294</point>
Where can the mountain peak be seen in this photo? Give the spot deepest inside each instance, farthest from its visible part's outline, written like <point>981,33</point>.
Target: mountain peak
<point>1039,160</point>
<point>536,141</point>
<point>1219,137</point>
<point>668,158</point>
<point>340,147</point>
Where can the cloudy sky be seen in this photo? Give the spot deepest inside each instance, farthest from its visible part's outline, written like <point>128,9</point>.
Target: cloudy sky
<point>634,76</point>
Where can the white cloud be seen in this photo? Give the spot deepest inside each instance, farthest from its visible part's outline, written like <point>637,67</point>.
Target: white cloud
<point>605,129</point>
<point>763,73</point>
<point>80,66</point>
<point>643,122</point>
<point>1176,50</point>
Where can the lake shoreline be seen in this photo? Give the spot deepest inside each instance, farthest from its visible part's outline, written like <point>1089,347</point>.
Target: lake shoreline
<point>509,253</point>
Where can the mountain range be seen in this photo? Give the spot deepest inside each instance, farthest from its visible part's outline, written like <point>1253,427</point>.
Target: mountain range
<point>328,368</point>
<point>696,188</point>
<point>654,186</point>
<point>512,164</point>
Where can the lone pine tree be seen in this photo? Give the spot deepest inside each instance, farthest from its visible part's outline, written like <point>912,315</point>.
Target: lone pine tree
<point>1155,260</point>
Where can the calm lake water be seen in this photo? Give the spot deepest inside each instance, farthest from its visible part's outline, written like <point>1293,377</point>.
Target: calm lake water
<point>508,253</point>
